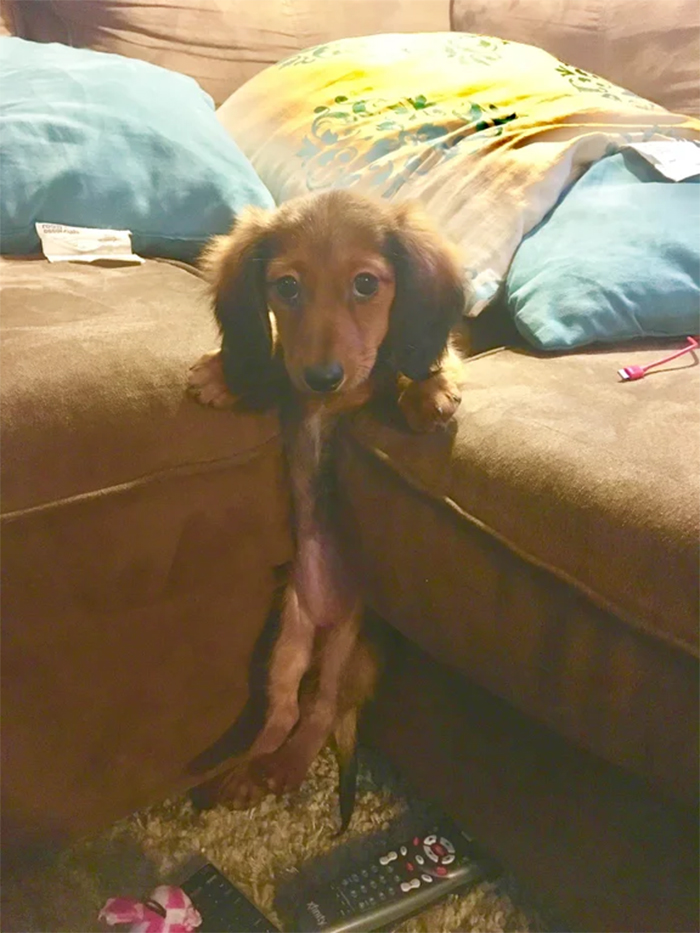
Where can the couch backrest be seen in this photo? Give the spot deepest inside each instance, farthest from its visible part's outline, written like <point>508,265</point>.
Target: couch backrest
<point>220,43</point>
<point>651,47</point>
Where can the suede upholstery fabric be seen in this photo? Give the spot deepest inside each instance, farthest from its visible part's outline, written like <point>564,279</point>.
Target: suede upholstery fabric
<point>593,840</point>
<point>550,539</point>
<point>141,537</point>
<point>219,43</point>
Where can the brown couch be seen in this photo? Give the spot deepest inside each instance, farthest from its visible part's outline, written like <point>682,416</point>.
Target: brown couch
<point>538,567</point>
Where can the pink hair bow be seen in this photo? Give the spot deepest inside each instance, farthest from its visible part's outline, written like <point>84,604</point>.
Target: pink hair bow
<point>168,910</point>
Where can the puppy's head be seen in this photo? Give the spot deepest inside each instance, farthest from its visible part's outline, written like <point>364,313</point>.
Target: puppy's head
<point>348,279</point>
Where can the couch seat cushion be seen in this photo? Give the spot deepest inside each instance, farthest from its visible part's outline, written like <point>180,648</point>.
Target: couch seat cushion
<point>593,479</point>
<point>141,534</point>
<point>94,364</point>
<point>547,547</point>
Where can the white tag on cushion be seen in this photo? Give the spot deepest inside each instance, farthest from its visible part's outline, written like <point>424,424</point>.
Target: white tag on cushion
<point>677,159</point>
<point>61,243</point>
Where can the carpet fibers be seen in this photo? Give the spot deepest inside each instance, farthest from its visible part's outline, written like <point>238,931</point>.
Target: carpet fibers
<point>255,848</point>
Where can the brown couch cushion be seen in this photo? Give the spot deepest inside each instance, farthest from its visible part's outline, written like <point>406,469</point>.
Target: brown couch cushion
<point>94,367</point>
<point>140,535</point>
<point>220,43</point>
<point>548,546</point>
<point>648,47</point>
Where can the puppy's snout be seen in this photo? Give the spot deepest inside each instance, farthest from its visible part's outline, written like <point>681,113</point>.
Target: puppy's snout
<point>325,378</point>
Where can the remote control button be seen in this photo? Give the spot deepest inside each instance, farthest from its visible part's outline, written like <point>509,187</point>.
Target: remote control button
<point>441,870</point>
<point>403,850</point>
<point>431,855</point>
<point>384,860</point>
<point>410,867</point>
<point>439,849</point>
<point>448,845</point>
<point>430,840</point>
<point>420,860</point>
<point>407,886</point>
<point>416,842</point>
<point>447,860</point>
<point>427,878</point>
<point>374,869</point>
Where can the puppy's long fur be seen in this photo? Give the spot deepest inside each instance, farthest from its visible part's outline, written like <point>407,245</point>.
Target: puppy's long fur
<point>333,297</point>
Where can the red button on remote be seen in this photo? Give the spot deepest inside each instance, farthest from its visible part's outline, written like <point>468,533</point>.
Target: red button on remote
<point>440,870</point>
<point>416,841</point>
<point>439,849</point>
<point>409,866</point>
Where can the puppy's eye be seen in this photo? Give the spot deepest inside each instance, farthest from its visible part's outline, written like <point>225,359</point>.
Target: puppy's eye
<point>365,285</point>
<point>287,288</point>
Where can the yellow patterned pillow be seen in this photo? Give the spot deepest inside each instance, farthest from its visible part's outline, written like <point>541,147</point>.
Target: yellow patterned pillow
<point>487,133</point>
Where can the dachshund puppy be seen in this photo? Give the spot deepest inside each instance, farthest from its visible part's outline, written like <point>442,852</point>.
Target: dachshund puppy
<point>340,289</point>
<point>321,304</point>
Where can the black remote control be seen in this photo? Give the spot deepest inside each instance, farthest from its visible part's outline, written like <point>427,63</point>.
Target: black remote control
<point>224,909</point>
<point>398,884</point>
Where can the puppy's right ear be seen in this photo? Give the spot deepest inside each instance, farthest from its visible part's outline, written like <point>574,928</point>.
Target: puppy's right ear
<point>235,266</point>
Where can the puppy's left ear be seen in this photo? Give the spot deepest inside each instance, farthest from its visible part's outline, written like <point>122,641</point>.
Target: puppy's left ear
<point>430,293</point>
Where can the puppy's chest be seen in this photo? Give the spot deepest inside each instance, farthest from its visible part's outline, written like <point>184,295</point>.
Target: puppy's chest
<point>309,445</point>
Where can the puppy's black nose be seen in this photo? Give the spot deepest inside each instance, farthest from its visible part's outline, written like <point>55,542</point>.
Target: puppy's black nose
<point>324,378</point>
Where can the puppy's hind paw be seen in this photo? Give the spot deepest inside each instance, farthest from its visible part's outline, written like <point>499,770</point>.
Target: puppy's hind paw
<point>238,787</point>
<point>206,383</point>
<point>284,771</point>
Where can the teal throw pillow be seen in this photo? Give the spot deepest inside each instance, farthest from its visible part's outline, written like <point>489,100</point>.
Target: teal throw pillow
<point>617,259</point>
<point>91,139</point>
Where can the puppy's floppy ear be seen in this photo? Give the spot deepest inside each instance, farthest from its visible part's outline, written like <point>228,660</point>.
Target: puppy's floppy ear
<point>235,265</point>
<point>430,293</point>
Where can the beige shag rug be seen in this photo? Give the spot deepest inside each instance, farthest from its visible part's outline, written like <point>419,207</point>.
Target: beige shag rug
<point>254,848</point>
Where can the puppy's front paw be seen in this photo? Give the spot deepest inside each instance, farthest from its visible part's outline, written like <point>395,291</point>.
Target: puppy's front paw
<point>430,404</point>
<point>206,383</point>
